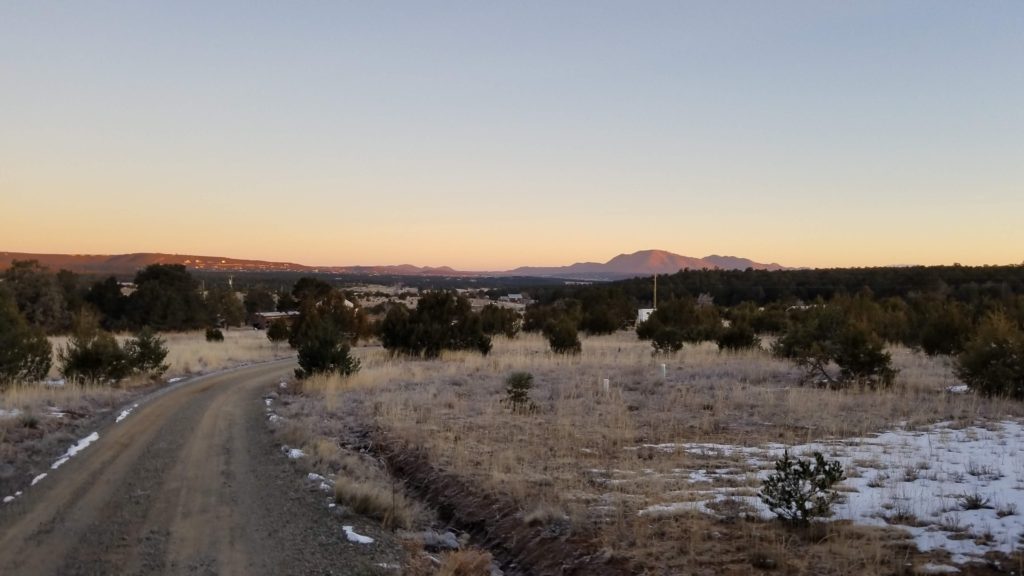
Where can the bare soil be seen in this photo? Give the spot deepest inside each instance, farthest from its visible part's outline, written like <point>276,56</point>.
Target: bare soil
<point>191,483</point>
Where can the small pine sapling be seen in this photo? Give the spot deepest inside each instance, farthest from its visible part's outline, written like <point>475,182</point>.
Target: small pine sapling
<point>800,490</point>
<point>517,393</point>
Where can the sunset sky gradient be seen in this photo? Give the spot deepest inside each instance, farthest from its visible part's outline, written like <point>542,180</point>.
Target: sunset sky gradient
<point>488,135</point>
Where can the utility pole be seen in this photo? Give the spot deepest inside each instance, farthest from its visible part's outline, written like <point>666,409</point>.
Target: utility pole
<point>655,291</point>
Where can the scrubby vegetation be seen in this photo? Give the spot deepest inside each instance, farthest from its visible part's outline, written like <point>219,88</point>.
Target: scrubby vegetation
<point>801,490</point>
<point>94,356</point>
<point>440,321</point>
<point>25,353</point>
<point>992,362</point>
<point>517,393</point>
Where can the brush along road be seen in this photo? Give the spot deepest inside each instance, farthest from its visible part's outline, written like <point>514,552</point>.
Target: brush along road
<point>190,482</point>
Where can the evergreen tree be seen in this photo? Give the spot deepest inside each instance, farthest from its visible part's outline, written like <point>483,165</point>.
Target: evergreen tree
<point>25,353</point>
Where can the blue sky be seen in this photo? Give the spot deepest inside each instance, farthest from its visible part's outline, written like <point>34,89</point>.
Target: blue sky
<point>488,135</point>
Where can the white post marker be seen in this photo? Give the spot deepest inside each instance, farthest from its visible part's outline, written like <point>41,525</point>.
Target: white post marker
<point>663,370</point>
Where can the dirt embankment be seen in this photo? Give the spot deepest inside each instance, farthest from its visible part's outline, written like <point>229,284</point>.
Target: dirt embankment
<point>496,523</point>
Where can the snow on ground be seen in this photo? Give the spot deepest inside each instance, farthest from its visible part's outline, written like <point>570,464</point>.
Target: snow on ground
<point>293,453</point>
<point>75,449</point>
<point>37,479</point>
<point>12,413</point>
<point>325,484</point>
<point>956,489</point>
<point>178,379</point>
<point>124,413</point>
<point>352,536</point>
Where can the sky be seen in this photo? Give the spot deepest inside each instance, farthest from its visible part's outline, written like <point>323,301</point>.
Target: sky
<point>489,135</point>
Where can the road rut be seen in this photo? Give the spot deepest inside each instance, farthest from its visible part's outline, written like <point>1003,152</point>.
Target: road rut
<point>190,483</point>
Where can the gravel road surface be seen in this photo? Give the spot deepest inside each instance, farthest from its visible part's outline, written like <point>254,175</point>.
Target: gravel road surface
<point>190,483</point>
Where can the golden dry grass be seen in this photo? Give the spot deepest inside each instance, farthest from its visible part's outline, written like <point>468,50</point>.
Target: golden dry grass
<point>581,452</point>
<point>469,562</point>
<point>374,500</point>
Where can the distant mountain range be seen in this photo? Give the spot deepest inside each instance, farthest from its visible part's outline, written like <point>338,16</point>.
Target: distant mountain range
<point>642,263</point>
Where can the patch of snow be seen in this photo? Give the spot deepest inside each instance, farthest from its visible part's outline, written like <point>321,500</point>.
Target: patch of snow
<point>75,449</point>
<point>177,379</point>
<point>283,385</point>
<point>8,499</point>
<point>274,418</point>
<point>37,479</point>
<point>931,568</point>
<point>268,401</point>
<point>12,413</point>
<point>293,453</point>
<point>958,389</point>
<point>931,474</point>
<point>124,413</point>
<point>354,537</point>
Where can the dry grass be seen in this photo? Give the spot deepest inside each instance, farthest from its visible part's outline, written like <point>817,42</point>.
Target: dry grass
<point>579,452</point>
<point>374,500</point>
<point>190,353</point>
<point>468,562</point>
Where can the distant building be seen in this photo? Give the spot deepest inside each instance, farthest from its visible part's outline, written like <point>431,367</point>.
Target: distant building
<point>643,314</point>
<point>514,299</point>
<point>261,320</point>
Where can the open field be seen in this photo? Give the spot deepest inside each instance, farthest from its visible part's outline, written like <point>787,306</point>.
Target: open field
<point>663,471</point>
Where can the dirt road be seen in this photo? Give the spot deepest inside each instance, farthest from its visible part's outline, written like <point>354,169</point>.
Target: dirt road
<point>190,483</point>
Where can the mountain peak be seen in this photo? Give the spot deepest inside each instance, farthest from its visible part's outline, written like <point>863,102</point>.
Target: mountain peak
<point>644,263</point>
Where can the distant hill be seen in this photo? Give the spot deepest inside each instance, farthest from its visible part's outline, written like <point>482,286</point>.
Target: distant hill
<point>128,264</point>
<point>641,263</point>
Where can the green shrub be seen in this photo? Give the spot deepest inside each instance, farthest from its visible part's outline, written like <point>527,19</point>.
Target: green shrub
<point>800,490</point>
<point>667,340</point>
<point>146,353</point>
<point>324,348</point>
<point>441,321</point>
<point>214,335</point>
<point>495,319</point>
<point>821,336</point>
<point>25,353</point>
<point>278,331</point>
<point>738,336</point>
<point>517,393</point>
<point>92,355</point>
<point>563,337</point>
<point>992,363</point>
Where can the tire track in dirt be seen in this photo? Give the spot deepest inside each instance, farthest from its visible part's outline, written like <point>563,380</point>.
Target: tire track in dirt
<point>190,483</point>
